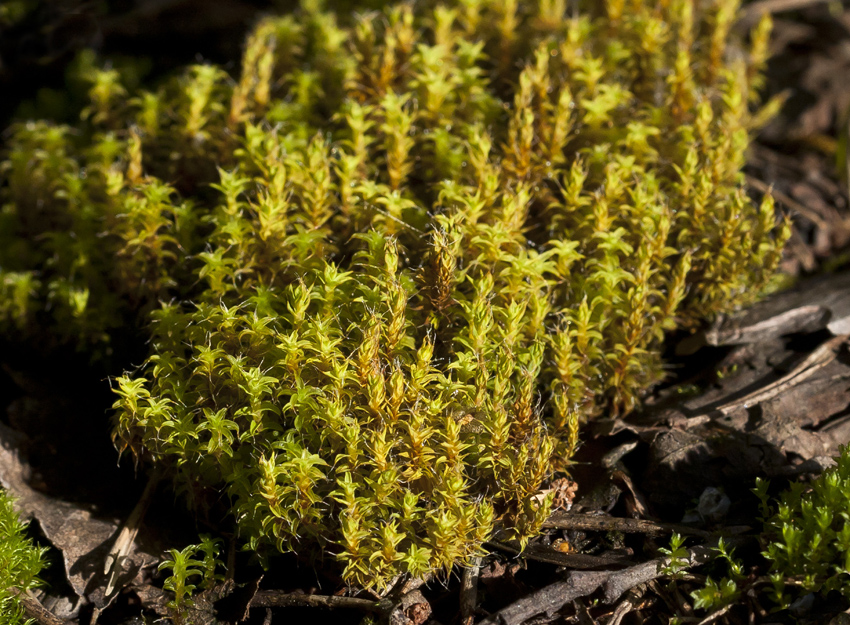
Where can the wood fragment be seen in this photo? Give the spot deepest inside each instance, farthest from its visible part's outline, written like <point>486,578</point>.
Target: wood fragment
<point>716,615</point>
<point>124,541</point>
<point>628,604</point>
<point>280,599</point>
<point>469,591</point>
<point>578,584</point>
<point>621,581</point>
<point>673,604</point>
<point>412,609</point>
<point>636,504</point>
<point>583,616</point>
<point>603,523</point>
<point>796,320</point>
<point>819,358</point>
<point>549,599</point>
<point>580,561</point>
<point>611,460</point>
<point>813,304</point>
<point>34,610</point>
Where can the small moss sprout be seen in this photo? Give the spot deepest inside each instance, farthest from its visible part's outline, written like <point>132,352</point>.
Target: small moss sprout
<point>192,569</point>
<point>807,534</point>
<point>20,563</point>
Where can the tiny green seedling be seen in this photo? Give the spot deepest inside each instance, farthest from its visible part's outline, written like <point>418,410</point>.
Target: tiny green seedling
<point>193,568</point>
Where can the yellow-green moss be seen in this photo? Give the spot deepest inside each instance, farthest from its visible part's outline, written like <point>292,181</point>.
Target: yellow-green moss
<point>399,262</point>
<point>806,534</point>
<point>20,563</point>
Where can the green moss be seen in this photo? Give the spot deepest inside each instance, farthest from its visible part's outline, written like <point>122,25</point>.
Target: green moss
<point>192,569</point>
<point>20,563</point>
<point>807,534</point>
<point>392,267</point>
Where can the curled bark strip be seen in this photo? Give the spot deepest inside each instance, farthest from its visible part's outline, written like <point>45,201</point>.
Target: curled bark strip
<point>813,304</point>
<point>818,359</point>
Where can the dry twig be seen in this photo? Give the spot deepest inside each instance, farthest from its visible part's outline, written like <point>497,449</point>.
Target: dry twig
<point>469,591</point>
<point>601,523</point>
<point>629,603</point>
<point>580,561</point>
<point>278,599</point>
<point>124,542</point>
<point>34,610</point>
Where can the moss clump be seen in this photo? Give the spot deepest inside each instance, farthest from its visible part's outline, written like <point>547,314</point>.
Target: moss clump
<point>807,534</point>
<point>400,261</point>
<point>20,563</point>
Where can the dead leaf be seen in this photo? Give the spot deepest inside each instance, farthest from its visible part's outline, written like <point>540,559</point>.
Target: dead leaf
<point>83,538</point>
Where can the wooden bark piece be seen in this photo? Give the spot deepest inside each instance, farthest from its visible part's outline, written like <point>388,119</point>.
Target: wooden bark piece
<point>754,424</point>
<point>814,304</point>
